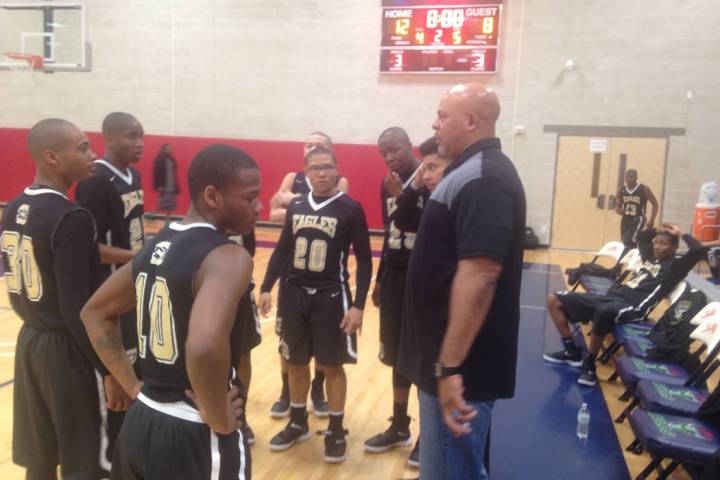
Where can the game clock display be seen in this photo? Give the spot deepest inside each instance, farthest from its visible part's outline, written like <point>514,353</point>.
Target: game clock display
<point>459,38</point>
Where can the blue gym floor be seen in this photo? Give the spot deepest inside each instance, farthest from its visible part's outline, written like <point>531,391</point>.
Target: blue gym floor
<point>533,434</point>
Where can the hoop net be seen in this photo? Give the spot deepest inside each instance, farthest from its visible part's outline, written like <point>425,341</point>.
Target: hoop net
<point>23,61</point>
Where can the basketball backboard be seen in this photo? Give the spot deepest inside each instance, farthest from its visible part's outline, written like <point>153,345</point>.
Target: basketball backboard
<point>54,30</point>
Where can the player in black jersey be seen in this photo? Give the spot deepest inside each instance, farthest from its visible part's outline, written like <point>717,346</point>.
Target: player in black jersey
<point>293,185</point>
<point>625,302</point>
<point>186,285</point>
<point>389,291</point>
<point>50,257</point>
<point>320,318</point>
<point>114,196</point>
<point>632,199</point>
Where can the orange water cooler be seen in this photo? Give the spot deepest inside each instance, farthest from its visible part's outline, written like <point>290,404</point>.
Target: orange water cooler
<point>706,222</point>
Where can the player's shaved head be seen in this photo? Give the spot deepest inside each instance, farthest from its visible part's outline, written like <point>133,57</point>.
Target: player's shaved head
<point>49,134</point>
<point>217,165</point>
<point>117,122</point>
<point>327,138</point>
<point>395,132</point>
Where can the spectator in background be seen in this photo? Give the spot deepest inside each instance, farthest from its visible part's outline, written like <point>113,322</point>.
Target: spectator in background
<point>165,179</point>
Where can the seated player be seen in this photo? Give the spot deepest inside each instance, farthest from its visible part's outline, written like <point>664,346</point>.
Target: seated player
<point>320,318</point>
<point>626,302</point>
<point>293,185</point>
<point>185,284</point>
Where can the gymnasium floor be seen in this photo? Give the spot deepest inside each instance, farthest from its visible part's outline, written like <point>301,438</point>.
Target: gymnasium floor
<point>533,434</point>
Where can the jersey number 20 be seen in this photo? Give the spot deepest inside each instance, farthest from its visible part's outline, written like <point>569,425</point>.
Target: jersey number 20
<point>316,260</point>
<point>163,341</point>
<point>23,267</point>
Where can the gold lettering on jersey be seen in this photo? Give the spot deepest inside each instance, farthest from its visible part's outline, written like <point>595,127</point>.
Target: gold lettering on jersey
<point>631,198</point>
<point>22,214</point>
<point>131,200</point>
<point>159,252</point>
<point>324,224</point>
<point>391,205</point>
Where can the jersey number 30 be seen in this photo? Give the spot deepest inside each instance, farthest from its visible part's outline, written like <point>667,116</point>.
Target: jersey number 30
<point>163,341</point>
<point>23,267</point>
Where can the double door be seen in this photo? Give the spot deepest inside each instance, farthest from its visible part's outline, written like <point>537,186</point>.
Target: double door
<point>588,175</point>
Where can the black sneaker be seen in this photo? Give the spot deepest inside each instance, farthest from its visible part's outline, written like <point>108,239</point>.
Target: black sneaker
<point>587,377</point>
<point>292,434</point>
<point>335,446</point>
<point>574,359</point>
<point>319,404</point>
<point>281,408</point>
<point>397,435</point>
<point>414,458</point>
<point>249,434</point>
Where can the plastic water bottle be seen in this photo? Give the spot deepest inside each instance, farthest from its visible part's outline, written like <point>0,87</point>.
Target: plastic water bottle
<point>583,424</point>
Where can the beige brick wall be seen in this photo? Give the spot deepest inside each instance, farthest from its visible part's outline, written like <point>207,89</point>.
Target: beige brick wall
<point>274,69</point>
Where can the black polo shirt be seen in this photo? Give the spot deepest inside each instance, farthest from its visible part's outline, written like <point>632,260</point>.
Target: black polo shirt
<point>478,210</point>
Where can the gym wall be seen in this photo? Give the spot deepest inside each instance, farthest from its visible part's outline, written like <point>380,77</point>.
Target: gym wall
<point>265,73</point>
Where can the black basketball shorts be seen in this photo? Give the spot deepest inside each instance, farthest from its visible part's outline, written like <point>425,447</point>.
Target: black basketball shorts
<point>629,229</point>
<point>56,406</point>
<point>311,326</point>
<point>392,297</point>
<point>170,441</point>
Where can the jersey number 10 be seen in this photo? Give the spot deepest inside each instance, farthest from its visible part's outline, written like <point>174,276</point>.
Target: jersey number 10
<point>163,340</point>
<point>23,267</point>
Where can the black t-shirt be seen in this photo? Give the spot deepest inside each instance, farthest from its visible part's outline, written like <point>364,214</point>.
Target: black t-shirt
<point>50,257</point>
<point>397,242</point>
<point>163,272</point>
<point>315,243</point>
<point>478,210</point>
<point>634,202</point>
<point>116,202</point>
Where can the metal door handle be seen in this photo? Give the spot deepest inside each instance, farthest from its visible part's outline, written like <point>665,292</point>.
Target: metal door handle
<point>601,201</point>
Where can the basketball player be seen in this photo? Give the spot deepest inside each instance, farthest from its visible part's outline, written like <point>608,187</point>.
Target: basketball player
<point>114,197</point>
<point>389,291</point>
<point>632,201</point>
<point>50,257</point>
<point>319,319</point>
<point>186,285</point>
<point>293,185</point>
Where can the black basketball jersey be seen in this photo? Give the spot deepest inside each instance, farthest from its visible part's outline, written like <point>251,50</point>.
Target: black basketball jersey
<point>302,185</point>
<point>163,272</point>
<point>634,201</point>
<point>398,243</point>
<point>116,201</point>
<point>322,231</point>
<point>30,223</point>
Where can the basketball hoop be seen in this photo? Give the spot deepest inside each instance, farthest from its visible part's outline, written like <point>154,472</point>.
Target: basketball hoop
<point>21,62</point>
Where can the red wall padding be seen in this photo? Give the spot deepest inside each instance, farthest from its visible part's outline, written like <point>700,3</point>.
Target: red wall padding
<point>361,164</point>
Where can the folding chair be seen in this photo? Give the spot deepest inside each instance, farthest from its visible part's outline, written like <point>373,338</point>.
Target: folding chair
<point>600,285</point>
<point>626,332</point>
<point>662,397</point>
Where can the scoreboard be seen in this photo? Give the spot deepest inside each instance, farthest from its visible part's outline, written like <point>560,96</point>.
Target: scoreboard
<point>440,39</point>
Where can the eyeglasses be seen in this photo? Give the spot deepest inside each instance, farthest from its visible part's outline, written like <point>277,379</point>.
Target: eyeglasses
<point>327,167</point>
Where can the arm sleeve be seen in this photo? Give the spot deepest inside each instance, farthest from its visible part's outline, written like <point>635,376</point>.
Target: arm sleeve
<point>407,215</point>
<point>75,247</point>
<point>484,214</point>
<point>279,257</point>
<point>360,237</point>
<point>92,194</point>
